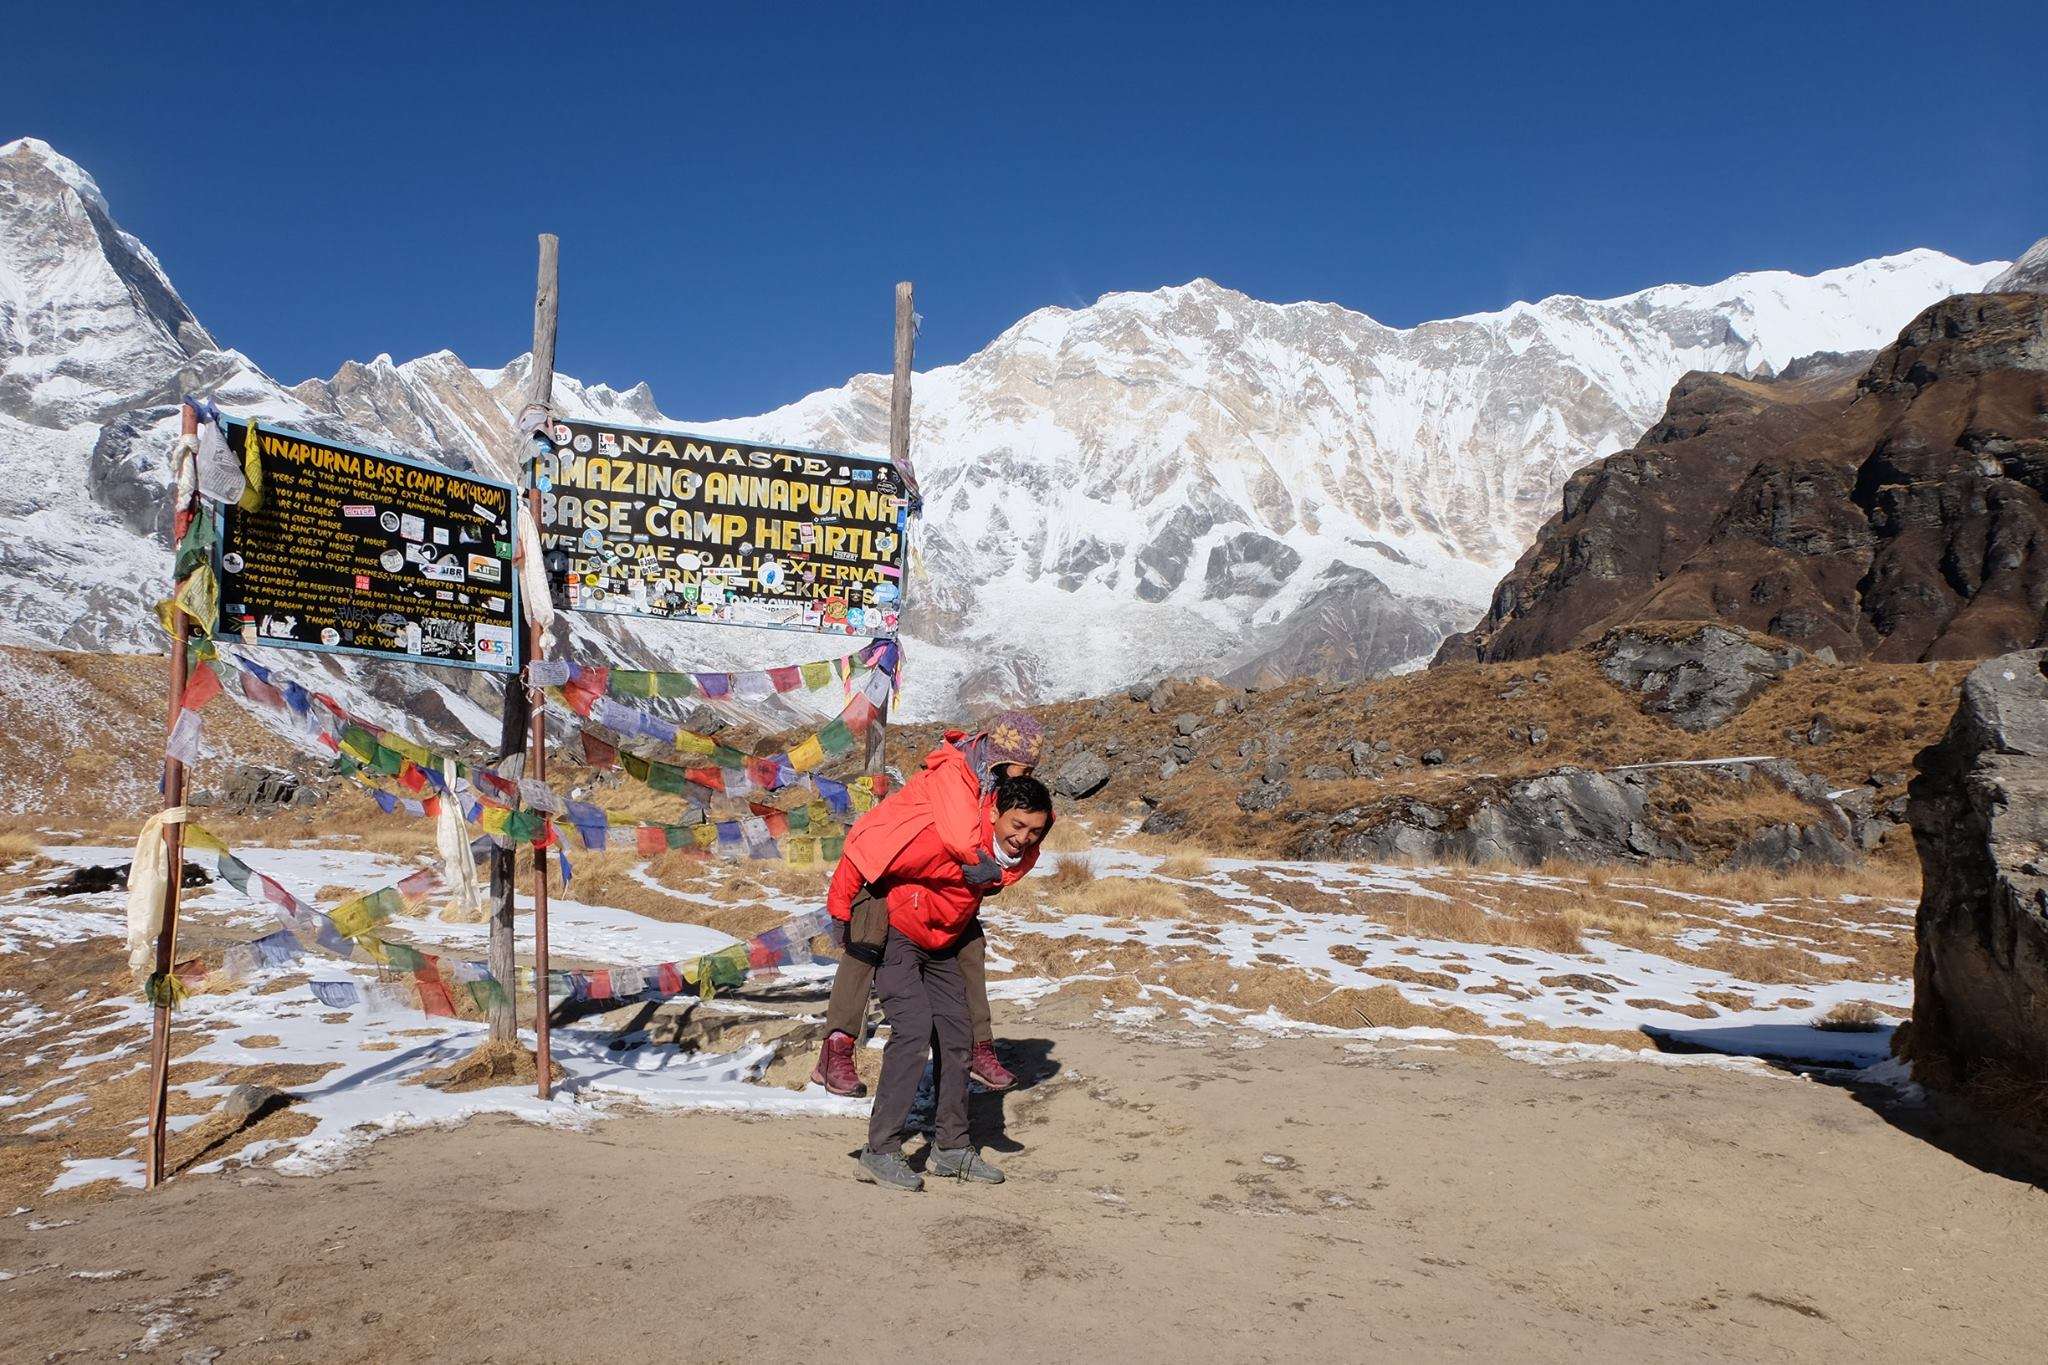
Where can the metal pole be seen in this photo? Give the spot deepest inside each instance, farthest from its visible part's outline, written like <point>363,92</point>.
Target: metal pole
<point>538,748</point>
<point>174,847</point>
<point>541,392</point>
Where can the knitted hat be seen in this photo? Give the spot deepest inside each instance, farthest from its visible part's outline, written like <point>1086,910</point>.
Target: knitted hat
<point>1015,737</point>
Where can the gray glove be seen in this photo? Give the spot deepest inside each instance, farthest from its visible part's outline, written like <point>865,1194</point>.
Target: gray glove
<point>986,871</point>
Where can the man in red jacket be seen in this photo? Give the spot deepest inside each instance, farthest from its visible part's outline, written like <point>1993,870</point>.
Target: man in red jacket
<point>933,900</point>
<point>950,794</point>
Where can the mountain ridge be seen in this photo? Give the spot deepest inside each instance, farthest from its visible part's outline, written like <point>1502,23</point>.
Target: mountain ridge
<point>1185,480</point>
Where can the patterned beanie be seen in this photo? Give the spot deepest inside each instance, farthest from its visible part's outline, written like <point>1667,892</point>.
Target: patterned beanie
<point>1015,737</point>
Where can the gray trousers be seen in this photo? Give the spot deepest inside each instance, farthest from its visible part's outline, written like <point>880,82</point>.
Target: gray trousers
<point>869,923</point>
<point>922,994</point>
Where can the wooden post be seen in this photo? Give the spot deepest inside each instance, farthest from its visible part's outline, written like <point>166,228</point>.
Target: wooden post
<point>541,393</point>
<point>174,849</point>
<point>504,962</point>
<point>899,455</point>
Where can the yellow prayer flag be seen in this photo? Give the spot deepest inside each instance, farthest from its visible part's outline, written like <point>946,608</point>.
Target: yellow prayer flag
<point>808,756</point>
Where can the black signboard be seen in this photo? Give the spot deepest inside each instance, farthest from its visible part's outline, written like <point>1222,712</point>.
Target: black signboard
<point>362,553</point>
<point>640,522</point>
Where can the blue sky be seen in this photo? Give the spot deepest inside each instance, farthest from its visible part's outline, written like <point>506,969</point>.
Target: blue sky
<point>738,187</point>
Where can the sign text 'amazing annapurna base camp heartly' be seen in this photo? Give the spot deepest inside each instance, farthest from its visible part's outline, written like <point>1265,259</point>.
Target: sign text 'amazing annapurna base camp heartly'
<point>653,523</point>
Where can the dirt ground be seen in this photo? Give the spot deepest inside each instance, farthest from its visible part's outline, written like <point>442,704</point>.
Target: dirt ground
<point>1170,1196</point>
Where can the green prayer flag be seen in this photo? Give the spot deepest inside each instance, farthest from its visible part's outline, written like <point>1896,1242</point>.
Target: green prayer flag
<point>632,683</point>
<point>197,546</point>
<point>403,956</point>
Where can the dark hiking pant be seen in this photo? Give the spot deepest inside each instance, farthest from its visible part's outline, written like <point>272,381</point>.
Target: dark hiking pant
<point>922,994</point>
<point>869,923</point>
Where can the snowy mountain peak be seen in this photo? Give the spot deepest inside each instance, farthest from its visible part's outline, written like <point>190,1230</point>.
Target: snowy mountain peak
<point>84,307</point>
<point>1188,478</point>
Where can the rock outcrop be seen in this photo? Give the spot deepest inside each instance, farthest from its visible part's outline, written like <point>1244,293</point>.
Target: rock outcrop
<point>1698,679</point>
<point>1625,815</point>
<point>1903,516</point>
<point>1979,811</point>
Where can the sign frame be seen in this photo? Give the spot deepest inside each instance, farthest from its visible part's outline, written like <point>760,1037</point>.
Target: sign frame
<point>514,496</point>
<point>536,461</point>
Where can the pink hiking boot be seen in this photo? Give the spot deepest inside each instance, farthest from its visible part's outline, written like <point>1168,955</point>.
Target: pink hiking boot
<point>835,1070</point>
<point>983,1065</point>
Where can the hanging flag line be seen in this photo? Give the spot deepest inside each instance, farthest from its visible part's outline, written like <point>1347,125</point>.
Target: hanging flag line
<point>349,933</point>
<point>595,680</point>
<point>608,726</point>
<point>522,810</point>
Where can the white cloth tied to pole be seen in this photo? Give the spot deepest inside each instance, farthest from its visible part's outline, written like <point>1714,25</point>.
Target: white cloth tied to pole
<point>147,875</point>
<point>451,838</point>
<point>183,741</point>
<point>533,584</point>
<point>222,476</point>
<point>185,470</point>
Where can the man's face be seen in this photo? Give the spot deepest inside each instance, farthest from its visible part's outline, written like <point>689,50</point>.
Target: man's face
<point>1019,830</point>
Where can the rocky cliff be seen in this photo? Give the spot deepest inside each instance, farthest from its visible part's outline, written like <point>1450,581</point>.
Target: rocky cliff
<point>1979,810</point>
<point>1901,516</point>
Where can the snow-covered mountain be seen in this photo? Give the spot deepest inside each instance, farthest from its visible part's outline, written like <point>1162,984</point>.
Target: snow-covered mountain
<point>1187,479</point>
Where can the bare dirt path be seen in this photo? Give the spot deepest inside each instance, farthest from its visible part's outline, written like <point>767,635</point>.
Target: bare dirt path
<point>1176,1197</point>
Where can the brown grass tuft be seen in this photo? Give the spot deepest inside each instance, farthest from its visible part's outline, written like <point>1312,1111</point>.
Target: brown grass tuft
<point>1851,1016</point>
<point>1068,873</point>
<point>1115,898</point>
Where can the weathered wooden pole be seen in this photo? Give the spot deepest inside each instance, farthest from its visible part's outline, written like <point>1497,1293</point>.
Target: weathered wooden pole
<point>541,393</point>
<point>174,851</point>
<point>899,455</point>
<point>517,725</point>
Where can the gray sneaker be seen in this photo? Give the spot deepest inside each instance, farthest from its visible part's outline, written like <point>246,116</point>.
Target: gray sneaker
<point>963,1163</point>
<point>890,1170</point>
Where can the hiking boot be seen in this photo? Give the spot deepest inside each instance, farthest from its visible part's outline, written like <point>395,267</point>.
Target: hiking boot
<point>890,1171</point>
<point>835,1070</point>
<point>963,1163</point>
<point>983,1065</point>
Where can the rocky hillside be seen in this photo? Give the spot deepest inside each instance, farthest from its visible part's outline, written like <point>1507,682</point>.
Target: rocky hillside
<point>1901,515</point>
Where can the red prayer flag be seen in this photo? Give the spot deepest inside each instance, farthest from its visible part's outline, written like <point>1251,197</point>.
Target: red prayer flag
<point>786,679</point>
<point>601,985</point>
<point>257,690</point>
<point>410,777</point>
<point>671,979</point>
<point>202,687</point>
<point>713,778</point>
<point>434,997</point>
<point>599,754</point>
<point>652,840</point>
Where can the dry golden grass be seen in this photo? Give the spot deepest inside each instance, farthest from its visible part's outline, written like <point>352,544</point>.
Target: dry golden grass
<point>1119,898</point>
<point>1184,866</point>
<point>1851,1016</point>
<point>17,844</point>
<point>1068,873</point>
<point>1461,921</point>
<point>1885,881</point>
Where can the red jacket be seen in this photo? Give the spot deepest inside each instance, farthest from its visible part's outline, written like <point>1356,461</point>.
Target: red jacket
<point>930,902</point>
<point>943,796</point>
<point>911,848</point>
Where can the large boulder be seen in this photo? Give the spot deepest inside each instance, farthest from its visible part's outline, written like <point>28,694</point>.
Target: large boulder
<point>1081,776</point>
<point>1698,681</point>
<point>1979,811</point>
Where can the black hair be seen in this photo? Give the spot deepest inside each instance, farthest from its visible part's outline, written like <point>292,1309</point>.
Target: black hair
<point>1023,793</point>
